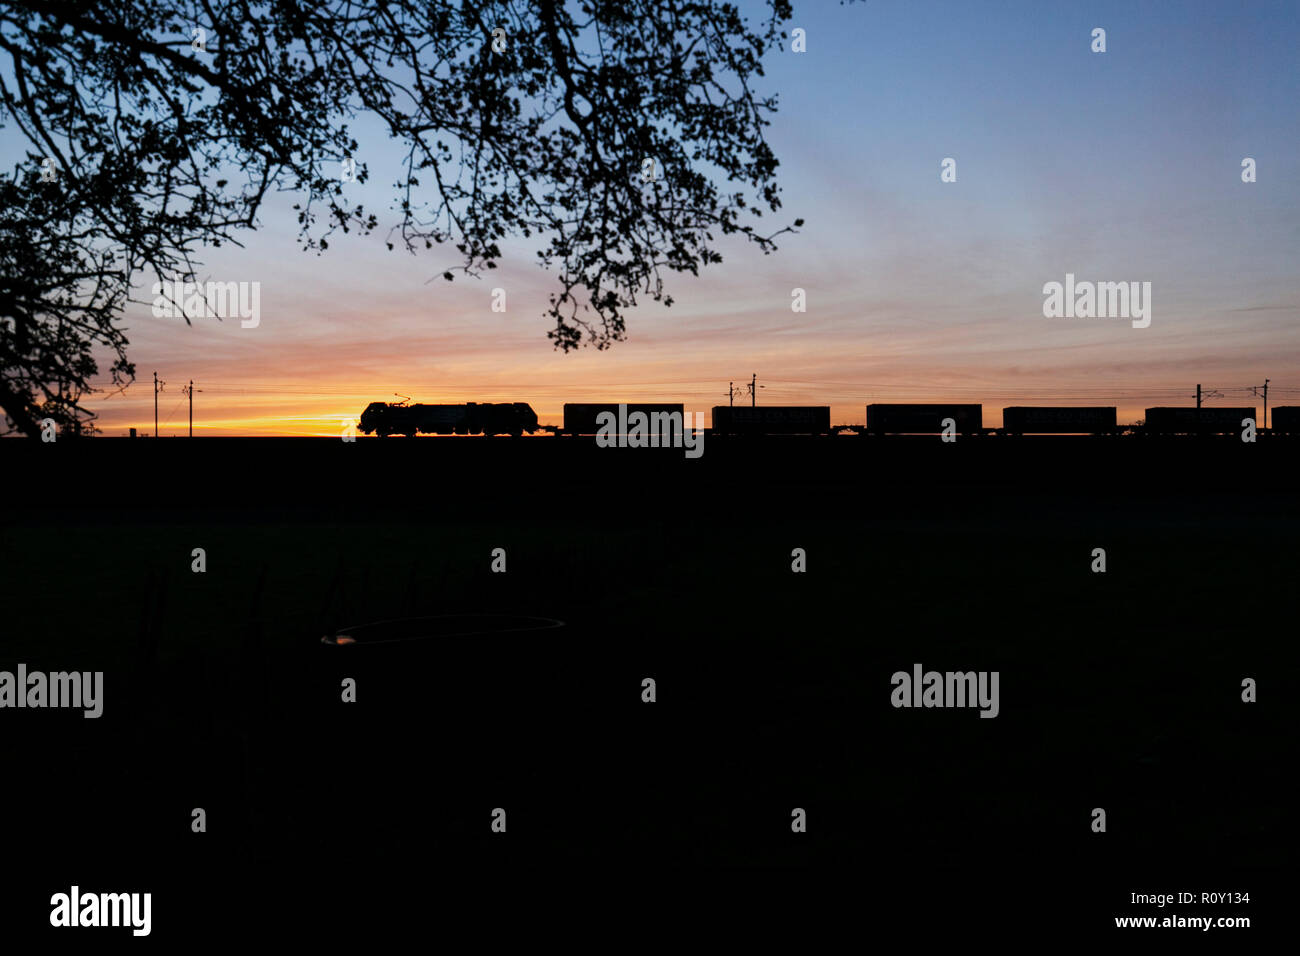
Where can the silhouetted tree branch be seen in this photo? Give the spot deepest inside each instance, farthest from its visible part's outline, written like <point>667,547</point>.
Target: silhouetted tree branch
<point>162,149</point>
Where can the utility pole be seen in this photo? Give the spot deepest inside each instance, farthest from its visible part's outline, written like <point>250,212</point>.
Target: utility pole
<point>732,391</point>
<point>1211,393</point>
<point>157,387</point>
<point>1258,389</point>
<point>190,390</point>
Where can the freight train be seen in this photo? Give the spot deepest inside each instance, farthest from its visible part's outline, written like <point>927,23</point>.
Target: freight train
<point>882,419</point>
<point>1053,420</point>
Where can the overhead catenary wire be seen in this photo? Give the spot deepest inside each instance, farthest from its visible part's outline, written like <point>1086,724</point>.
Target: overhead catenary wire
<point>710,385</point>
<point>789,391</point>
<point>166,421</point>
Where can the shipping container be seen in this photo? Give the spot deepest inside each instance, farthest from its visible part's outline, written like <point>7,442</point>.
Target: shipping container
<point>772,419</point>
<point>1285,419</point>
<point>1058,419</point>
<point>1191,420</point>
<point>580,418</point>
<point>923,419</point>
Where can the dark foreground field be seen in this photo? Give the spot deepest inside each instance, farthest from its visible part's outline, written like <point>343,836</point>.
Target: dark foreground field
<point>1119,690</point>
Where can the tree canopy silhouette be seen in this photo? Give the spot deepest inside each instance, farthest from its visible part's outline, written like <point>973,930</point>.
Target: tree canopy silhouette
<point>626,136</point>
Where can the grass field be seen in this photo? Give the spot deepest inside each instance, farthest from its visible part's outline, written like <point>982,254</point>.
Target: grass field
<point>1118,690</point>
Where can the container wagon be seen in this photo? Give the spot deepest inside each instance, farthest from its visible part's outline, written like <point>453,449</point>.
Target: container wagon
<point>1059,419</point>
<point>1192,421</point>
<point>580,418</point>
<point>923,419</point>
<point>1285,420</point>
<point>771,420</point>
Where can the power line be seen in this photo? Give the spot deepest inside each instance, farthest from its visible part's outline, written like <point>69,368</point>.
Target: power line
<point>167,420</point>
<point>709,385</point>
<point>1029,391</point>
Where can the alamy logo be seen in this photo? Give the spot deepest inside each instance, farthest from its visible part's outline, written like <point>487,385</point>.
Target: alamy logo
<point>102,909</point>
<point>949,689</point>
<point>82,689</point>
<point>223,300</point>
<point>651,430</point>
<point>1098,300</point>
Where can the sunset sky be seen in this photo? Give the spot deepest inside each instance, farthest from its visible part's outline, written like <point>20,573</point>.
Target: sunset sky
<point>1122,166</point>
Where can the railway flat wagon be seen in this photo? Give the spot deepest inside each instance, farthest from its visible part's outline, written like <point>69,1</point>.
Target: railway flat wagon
<point>1285,420</point>
<point>1166,420</point>
<point>923,419</point>
<point>1059,419</point>
<point>580,418</point>
<point>771,420</point>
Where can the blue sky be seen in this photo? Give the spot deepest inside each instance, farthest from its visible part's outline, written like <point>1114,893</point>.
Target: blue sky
<point>1120,166</point>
